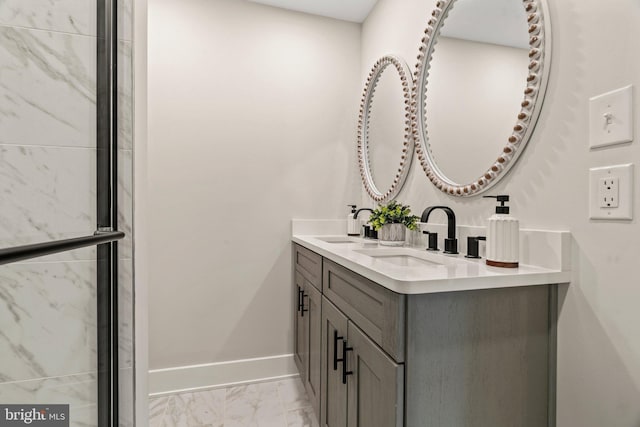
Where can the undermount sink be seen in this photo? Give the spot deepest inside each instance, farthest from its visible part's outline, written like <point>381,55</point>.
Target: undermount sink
<point>337,239</point>
<point>405,260</point>
<point>405,257</point>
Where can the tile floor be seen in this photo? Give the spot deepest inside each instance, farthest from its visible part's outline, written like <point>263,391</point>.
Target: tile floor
<point>280,403</point>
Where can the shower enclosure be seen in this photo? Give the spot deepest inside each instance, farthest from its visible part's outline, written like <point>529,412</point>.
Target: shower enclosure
<point>66,249</point>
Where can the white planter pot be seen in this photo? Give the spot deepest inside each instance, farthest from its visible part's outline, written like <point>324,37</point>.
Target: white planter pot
<point>392,234</point>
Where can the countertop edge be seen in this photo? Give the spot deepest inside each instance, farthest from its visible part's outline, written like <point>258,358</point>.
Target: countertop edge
<point>415,287</point>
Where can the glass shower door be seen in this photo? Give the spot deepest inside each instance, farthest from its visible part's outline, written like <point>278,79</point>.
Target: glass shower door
<point>66,294</point>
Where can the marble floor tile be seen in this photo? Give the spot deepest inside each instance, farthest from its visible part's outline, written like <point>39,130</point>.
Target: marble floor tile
<point>157,409</point>
<point>292,394</point>
<point>254,405</point>
<point>262,422</point>
<point>303,417</point>
<point>270,404</point>
<point>203,408</point>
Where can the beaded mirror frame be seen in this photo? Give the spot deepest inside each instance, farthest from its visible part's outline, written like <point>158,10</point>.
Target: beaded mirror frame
<point>383,195</point>
<point>539,29</point>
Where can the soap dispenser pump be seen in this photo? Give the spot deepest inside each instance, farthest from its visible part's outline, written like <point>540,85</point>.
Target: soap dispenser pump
<point>353,225</point>
<point>503,232</point>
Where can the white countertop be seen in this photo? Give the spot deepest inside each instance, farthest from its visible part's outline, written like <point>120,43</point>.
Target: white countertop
<point>428,272</point>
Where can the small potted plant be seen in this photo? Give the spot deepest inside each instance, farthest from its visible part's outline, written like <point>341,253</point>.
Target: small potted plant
<point>391,222</point>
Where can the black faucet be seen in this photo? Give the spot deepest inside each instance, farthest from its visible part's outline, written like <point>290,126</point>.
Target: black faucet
<point>433,241</point>
<point>473,246</point>
<point>450,243</point>
<point>355,215</point>
<point>368,232</point>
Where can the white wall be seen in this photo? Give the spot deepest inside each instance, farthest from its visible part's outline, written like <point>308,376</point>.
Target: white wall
<point>599,328</point>
<point>252,117</point>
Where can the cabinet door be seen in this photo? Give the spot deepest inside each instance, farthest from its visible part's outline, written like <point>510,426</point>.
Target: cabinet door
<point>375,386</point>
<point>312,299</point>
<point>333,409</point>
<point>299,335</point>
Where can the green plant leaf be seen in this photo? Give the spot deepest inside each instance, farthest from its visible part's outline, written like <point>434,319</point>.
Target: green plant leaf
<point>393,213</point>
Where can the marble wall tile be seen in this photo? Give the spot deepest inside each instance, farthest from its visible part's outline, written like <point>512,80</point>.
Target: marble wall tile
<point>49,193</point>
<point>68,16</point>
<point>126,396</point>
<point>47,310</point>
<point>48,318</point>
<point>48,88</point>
<point>125,313</point>
<point>125,19</point>
<point>46,193</point>
<point>79,391</point>
<point>125,95</point>
<point>125,202</point>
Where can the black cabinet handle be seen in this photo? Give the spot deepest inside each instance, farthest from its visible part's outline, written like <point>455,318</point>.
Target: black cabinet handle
<point>299,299</point>
<point>302,309</point>
<point>335,350</point>
<point>344,362</point>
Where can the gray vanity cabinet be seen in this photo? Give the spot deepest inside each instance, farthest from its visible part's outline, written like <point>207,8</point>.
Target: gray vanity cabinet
<point>307,327</point>
<point>307,323</point>
<point>375,389</point>
<point>333,407</point>
<point>482,358</point>
<point>313,325</point>
<point>370,357</point>
<point>361,385</point>
<point>299,334</point>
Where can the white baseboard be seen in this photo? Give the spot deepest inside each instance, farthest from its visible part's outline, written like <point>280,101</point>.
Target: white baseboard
<point>223,374</point>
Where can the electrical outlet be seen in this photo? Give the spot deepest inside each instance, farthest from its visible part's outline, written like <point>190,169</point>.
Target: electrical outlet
<point>611,192</point>
<point>608,192</point>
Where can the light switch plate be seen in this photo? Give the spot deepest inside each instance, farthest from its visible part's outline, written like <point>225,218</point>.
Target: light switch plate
<point>611,192</point>
<point>611,118</point>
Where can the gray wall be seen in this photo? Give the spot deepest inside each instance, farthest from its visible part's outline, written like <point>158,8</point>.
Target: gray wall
<point>47,191</point>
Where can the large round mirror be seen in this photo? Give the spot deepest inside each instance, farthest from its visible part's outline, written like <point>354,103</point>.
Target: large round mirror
<point>385,144</point>
<point>480,83</point>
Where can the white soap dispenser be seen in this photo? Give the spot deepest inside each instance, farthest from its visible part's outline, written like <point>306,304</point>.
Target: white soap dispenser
<point>503,236</point>
<point>353,225</point>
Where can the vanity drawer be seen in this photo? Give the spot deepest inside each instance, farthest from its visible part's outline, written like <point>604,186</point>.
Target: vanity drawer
<point>376,310</point>
<point>309,264</point>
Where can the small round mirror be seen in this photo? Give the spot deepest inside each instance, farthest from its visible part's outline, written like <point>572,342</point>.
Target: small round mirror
<point>384,129</point>
<point>472,119</point>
